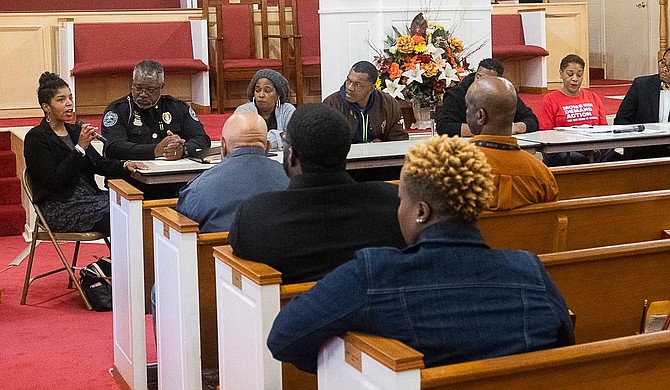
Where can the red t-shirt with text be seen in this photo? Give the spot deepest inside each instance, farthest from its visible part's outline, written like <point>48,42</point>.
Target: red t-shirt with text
<point>560,110</point>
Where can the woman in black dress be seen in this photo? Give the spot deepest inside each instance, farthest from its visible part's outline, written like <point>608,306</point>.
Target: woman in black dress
<point>61,163</point>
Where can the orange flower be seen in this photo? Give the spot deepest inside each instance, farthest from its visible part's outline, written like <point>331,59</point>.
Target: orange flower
<point>405,44</point>
<point>430,69</point>
<point>410,63</point>
<point>456,44</point>
<point>394,71</point>
<point>418,39</point>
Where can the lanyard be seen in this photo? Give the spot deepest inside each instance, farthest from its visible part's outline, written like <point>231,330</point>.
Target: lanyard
<point>496,145</point>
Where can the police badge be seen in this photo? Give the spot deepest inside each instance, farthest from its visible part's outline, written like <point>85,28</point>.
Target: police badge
<point>110,119</point>
<point>167,117</point>
<point>137,121</point>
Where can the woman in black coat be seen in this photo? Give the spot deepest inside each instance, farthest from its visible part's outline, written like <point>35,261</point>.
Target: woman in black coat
<point>61,164</point>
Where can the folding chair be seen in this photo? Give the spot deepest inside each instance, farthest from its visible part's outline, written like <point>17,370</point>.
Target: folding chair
<point>42,232</point>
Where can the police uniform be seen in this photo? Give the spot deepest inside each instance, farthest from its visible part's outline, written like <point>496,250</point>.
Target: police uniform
<point>133,132</point>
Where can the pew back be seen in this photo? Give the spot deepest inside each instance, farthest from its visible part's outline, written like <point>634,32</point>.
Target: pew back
<point>579,223</point>
<point>620,177</point>
<point>357,361</point>
<point>607,286</point>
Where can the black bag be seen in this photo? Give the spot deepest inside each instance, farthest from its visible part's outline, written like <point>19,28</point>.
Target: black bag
<point>96,281</point>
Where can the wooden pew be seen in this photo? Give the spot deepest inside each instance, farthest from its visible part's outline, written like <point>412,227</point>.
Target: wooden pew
<point>249,296</point>
<point>185,298</point>
<point>611,178</point>
<point>607,286</point>
<point>595,282</point>
<point>133,270</point>
<point>620,177</point>
<point>579,223</point>
<point>357,361</point>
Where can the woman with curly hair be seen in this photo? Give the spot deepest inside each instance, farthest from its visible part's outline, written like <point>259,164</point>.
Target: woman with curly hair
<point>447,295</point>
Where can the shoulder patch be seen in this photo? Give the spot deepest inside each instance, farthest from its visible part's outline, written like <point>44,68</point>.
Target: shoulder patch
<point>110,119</point>
<point>193,115</point>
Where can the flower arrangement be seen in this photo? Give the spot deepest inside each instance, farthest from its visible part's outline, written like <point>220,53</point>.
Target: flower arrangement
<point>420,64</point>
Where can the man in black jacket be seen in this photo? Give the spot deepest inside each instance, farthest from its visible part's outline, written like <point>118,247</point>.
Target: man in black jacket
<point>451,118</point>
<point>324,216</point>
<point>647,101</point>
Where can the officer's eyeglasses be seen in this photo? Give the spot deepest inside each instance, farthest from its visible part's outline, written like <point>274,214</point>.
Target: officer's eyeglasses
<point>147,90</point>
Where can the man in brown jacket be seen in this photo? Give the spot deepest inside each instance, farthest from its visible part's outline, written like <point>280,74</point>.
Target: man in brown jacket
<point>372,115</point>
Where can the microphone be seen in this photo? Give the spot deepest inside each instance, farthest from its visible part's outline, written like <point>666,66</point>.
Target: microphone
<point>97,135</point>
<point>629,129</point>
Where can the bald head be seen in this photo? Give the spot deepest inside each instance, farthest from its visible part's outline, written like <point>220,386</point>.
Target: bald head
<point>491,105</point>
<point>243,129</point>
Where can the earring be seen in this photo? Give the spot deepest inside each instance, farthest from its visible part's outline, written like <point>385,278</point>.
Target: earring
<point>420,220</point>
<point>278,103</point>
<point>48,119</point>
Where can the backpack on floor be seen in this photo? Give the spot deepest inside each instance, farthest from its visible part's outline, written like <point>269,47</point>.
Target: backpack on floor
<point>96,281</point>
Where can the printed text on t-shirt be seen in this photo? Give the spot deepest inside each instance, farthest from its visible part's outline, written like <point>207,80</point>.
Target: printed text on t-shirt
<point>579,112</point>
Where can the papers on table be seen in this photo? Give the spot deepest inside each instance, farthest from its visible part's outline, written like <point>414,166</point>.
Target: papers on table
<point>613,131</point>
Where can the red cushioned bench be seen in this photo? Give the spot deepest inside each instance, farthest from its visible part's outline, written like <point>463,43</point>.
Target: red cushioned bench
<point>521,38</point>
<point>101,58</point>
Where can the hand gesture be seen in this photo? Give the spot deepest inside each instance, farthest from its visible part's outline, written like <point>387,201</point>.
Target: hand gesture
<point>86,135</point>
<point>170,147</point>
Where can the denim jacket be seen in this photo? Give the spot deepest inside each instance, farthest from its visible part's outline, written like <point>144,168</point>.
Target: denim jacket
<point>449,296</point>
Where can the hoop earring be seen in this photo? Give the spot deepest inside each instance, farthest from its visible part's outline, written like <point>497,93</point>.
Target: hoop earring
<point>48,119</point>
<point>278,103</point>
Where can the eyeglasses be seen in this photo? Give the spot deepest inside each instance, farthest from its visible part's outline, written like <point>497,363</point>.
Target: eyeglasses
<point>356,84</point>
<point>147,90</point>
<point>663,64</point>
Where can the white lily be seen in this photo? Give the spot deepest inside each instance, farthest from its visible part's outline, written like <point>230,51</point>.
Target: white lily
<point>414,75</point>
<point>448,73</point>
<point>394,88</point>
<point>393,49</point>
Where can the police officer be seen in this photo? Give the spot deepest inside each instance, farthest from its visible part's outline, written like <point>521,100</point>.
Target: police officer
<point>144,125</point>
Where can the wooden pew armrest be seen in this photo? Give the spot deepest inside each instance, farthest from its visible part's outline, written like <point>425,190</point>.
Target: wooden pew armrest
<point>391,353</point>
<point>150,204</point>
<point>171,218</point>
<point>125,189</point>
<point>259,273</point>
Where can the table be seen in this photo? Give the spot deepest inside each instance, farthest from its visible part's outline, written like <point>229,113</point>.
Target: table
<point>361,156</point>
<point>557,141</point>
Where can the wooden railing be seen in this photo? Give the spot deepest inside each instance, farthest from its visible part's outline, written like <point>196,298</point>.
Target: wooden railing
<point>663,27</point>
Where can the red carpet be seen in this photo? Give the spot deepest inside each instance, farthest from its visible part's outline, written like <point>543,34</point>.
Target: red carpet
<point>12,214</point>
<point>53,342</point>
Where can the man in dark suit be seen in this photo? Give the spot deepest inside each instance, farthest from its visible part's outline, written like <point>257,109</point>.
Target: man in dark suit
<point>451,118</point>
<point>647,101</point>
<point>324,216</point>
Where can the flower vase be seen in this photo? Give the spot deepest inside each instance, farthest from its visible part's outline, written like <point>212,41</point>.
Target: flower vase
<point>421,116</point>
